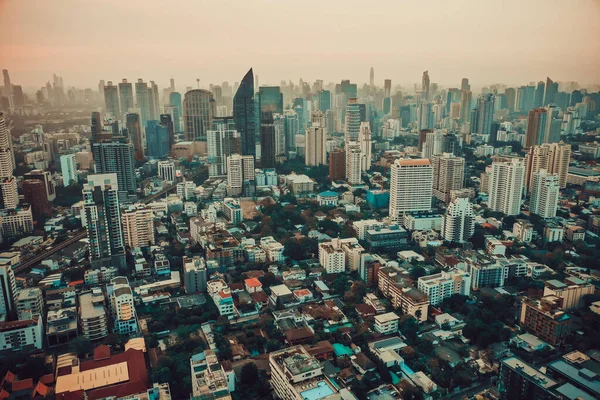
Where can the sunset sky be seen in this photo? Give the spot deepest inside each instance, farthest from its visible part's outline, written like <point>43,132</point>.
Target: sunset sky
<point>491,41</point>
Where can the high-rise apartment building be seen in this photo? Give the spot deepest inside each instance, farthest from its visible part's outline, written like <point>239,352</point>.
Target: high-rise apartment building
<point>554,158</point>
<point>46,178</point>
<point>353,163</point>
<point>536,127</point>
<point>458,223</point>
<point>111,100</point>
<point>337,164</point>
<point>142,95</point>
<point>244,114</point>
<point>115,154</point>
<point>68,169</point>
<point>506,181</point>
<point>8,291</point>
<point>267,140</point>
<point>485,115</point>
<point>122,307</point>
<point>465,106</point>
<point>352,121</point>
<point>126,96</point>
<point>239,169</point>
<point>545,191</point>
<point>138,226</point>
<point>199,110</point>
<point>551,90</point>
<point>365,146</point>
<point>9,197</point>
<point>103,216</point>
<point>425,116</point>
<point>448,175</point>
<point>34,193</point>
<point>411,187</point>
<point>316,141</point>
<point>222,143</point>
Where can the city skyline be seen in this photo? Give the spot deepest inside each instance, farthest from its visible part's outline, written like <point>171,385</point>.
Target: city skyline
<point>524,47</point>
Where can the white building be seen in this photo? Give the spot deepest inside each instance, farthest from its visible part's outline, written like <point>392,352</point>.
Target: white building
<point>439,287</point>
<point>23,335</point>
<point>333,259</point>
<point>239,169</point>
<point>448,175</point>
<point>138,226</point>
<point>16,222</point>
<point>92,315</point>
<point>353,163</point>
<point>272,248</point>
<point>186,190</point>
<point>365,146</point>
<point>68,168</point>
<point>122,306</point>
<point>545,191</point>
<point>361,227</point>
<point>422,222</point>
<point>410,187</point>
<point>166,171</point>
<point>506,182</point>
<point>386,323</point>
<point>8,290</point>
<point>209,379</point>
<point>194,274</point>
<point>458,223</point>
<point>29,303</point>
<point>316,141</point>
<point>523,230</point>
<point>221,295</point>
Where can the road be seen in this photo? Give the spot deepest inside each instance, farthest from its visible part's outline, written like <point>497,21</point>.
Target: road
<point>26,265</point>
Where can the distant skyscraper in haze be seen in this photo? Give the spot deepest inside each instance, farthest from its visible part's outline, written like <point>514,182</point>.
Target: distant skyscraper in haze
<point>425,116</point>
<point>371,78</point>
<point>134,131</point>
<point>291,128</point>
<point>126,96</point>
<point>425,85</point>
<point>154,100</point>
<point>538,98</point>
<point>103,217</point>
<point>271,99</point>
<point>464,84</point>
<point>143,100</point>
<point>506,186</point>
<point>198,113</point>
<point>158,137</point>
<point>352,121</point>
<point>545,192</point>
<point>267,140</point>
<point>551,90</point>
<point>111,100</point>
<point>465,105</point>
<point>411,186</point>
<point>175,101</point>
<point>316,141</point>
<point>387,88</point>
<point>536,127</point>
<point>9,197</point>
<point>485,114</point>
<point>7,84</point>
<point>244,114</point>
<point>324,100</point>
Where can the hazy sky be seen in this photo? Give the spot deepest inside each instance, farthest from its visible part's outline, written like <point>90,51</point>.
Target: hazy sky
<point>488,41</point>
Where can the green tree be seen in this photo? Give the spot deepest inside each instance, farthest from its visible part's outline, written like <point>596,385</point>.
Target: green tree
<point>249,374</point>
<point>81,346</point>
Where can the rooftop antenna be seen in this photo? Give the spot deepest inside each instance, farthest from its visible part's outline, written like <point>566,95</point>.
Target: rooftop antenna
<point>198,82</point>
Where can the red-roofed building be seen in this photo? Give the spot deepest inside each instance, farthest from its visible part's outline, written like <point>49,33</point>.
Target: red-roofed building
<point>298,336</point>
<point>41,390</point>
<point>25,384</point>
<point>260,298</point>
<point>252,285</point>
<point>101,352</point>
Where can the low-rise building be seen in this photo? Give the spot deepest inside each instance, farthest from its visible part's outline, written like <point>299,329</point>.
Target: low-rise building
<point>209,379</point>
<point>553,233</point>
<point>272,248</point>
<point>29,303</point>
<point>61,326</point>
<point>386,323</point>
<point>523,230</point>
<point>546,319</point>
<point>92,315</point>
<point>219,291</point>
<point>194,275</point>
<point>571,291</point>
<point>439,287</point>
<point>23,335</point>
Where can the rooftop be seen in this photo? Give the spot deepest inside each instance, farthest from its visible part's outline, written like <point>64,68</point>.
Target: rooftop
<point>536,376</point>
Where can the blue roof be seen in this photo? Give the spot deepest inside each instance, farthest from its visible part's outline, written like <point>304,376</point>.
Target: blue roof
<point>329,193</point>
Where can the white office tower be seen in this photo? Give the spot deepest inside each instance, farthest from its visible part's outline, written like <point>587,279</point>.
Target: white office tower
<point>353,161</point>
<point>560,157</point>
<point>8,290</point>
<point>545,191</point>
<point>433,145</point>
<point>103,216</point>
<point>68,168</point>
<point>411,187</point>
<point>316,141</point>
<point>448,175</point>
<point>221,143</point>
<point>506,183</point>
<point>166,171</point>
<point>239,169</point>
<point>122,307</point>
<point>458,223</point>
<point>138,226</point>
<point>352,122</point>
<point>536,159</point>
<point>365,146</point>
<point>8,183</point>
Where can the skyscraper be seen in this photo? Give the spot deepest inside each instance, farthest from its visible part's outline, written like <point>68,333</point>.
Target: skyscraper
<point>143,100</point>
<point>267,140</point>
<point>8,289</point>
<point>448,174</point>
<point>353,163</point>
<point>545,191</point>
<point>103,217</point>
<point>175,101</point>
<point>506,186</point>
<point>134,131</point>
<point>222,142</point>
<point>115,154</point>
<point>425,85</point>
<point>198,113</point>
<point>111,100</point>
<point>291,129</point>
<point>465,106</point>
<point>316,141</point>
<point>9,197</point>
<point>458,223</point>
<point>244,114</point>
<point>485,115</point>
<point>7,84</point>
<point>68,169</point>
<point>239,169</point>
<point>271,99</point>
<point>46,178</point>
<point>154,100</point>
<point>536,127</point>
<point>425,116</point>
<point>464,84</point>
<point>337,164</point>
<point>387,88</point>
<point>158,140</point>
<point>411,187</point>
<point>551,90</point>
<point>352,123</point>
<point>34,193</point>
<point>365,146</point>
<point>371,78</point>
<point>324,100</point>
<point>539,95</point>
<point>537,158</point>
<point>126,96</point>
<point>560,157</point>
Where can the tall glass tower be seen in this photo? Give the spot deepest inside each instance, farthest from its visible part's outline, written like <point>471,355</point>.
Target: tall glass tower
<point>244,114</point>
